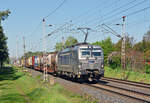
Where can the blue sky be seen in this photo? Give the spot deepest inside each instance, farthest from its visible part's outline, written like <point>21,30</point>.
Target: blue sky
<point>26,15</point>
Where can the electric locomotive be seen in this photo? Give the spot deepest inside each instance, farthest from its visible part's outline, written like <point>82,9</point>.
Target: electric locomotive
<point>81,61</point>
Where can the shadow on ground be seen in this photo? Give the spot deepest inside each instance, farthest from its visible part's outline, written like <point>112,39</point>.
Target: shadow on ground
<point>12,98</point>
<point>8,73</point>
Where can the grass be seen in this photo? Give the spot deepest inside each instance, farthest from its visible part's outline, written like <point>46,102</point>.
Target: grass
<point>127,75</point>
<point>18,87</point>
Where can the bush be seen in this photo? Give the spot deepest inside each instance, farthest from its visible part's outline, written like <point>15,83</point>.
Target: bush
<point>115,61</point>
<point>147,69</point>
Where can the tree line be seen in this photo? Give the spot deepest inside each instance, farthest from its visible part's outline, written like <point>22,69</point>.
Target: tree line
<point>137,54</point>
<point>3,39</point>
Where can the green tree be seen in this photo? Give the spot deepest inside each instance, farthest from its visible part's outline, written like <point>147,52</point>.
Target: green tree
<point>3,47</point>
<point>138,46</point>
<point>70,41</point>
<point>146,36</point>
<point>143,45</point>
<point>147,55</point>
<point>107,46</point>
<point>115,61</point>
<point>129,43</point>
<point>4,15</point>
<point>59,46</point>
<point>3,38</point>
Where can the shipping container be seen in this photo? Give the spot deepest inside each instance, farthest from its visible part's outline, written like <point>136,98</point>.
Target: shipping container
<point>51,62</point>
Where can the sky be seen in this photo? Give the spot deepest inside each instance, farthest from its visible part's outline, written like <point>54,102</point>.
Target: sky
<point>26,17</point>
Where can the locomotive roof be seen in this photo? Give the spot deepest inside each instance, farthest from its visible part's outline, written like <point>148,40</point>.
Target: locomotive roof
<point>76,46</point>
<point>80,44</point>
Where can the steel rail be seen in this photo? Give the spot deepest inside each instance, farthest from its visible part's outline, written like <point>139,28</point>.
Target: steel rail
<point>120,91</point>
<point>138,84</point>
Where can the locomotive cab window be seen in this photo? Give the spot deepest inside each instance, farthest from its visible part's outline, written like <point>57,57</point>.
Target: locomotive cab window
<point>96,54</point>
<point>85,53</point>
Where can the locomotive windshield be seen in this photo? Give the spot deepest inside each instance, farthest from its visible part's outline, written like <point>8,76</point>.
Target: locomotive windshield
<point>85,53</point>
<point>90,52</point>
<point>95,54</point>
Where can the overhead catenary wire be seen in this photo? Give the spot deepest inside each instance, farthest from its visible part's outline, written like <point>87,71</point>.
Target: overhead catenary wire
<point>122,11</point>
<point>91,9</point>
<point>52,12</point>
<point>138,11</point>
<point>120,18</point>
<point>125,10</point>
<point>132,13</point>
<point>80,16</point>
<point>112,11</point>
<point>77,19</point>
<point>112,16</point>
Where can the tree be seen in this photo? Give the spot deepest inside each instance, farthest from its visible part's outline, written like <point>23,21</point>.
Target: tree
<point>3,38</point>
<point>3,47</point>
<point>70,41</point>
<point>144,45</point>
<point>107,46</point>
<point>147,55</point>
<point>59,46</point>
<point>129,43</point>
<point>4,15</point>
<point>138,46</point>
<point>114,60</point>
<point>146,36</point>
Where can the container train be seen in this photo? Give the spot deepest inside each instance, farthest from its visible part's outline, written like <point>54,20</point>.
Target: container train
<point>79,62</point>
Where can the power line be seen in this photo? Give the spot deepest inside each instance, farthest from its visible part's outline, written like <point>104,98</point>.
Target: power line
<point>49,15</point>
<point>124,10</point>
<point>93,13</point>
<point>133,13</point>
<point>80,16</point>
<point>52,12</point>
<point>114,10</point>
<point>76,19</point>
<point>89,10</point>
<point>138,11</point>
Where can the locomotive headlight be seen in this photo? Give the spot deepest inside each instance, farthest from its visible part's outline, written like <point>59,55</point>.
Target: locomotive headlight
<point>79,73</point>
<point>79,66</point>
<point>102,66</point>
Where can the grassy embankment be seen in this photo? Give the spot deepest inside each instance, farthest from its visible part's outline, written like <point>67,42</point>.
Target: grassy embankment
<point>127,75</point>
<point>19,87</point>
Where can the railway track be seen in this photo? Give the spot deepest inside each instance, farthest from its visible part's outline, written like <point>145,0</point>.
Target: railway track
<point>130,94</point>
<point>142,85</point>
<point>122,92</point>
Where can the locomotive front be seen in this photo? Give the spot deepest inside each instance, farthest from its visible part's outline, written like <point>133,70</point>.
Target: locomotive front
<point>91,62</point>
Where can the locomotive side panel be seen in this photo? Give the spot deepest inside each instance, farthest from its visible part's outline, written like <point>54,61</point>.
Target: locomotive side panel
<point>67,61</point>
<point>64,61</point>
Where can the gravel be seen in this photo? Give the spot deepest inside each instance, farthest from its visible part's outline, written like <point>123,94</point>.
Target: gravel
<point>101,95</point>
<point>129,87</point>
